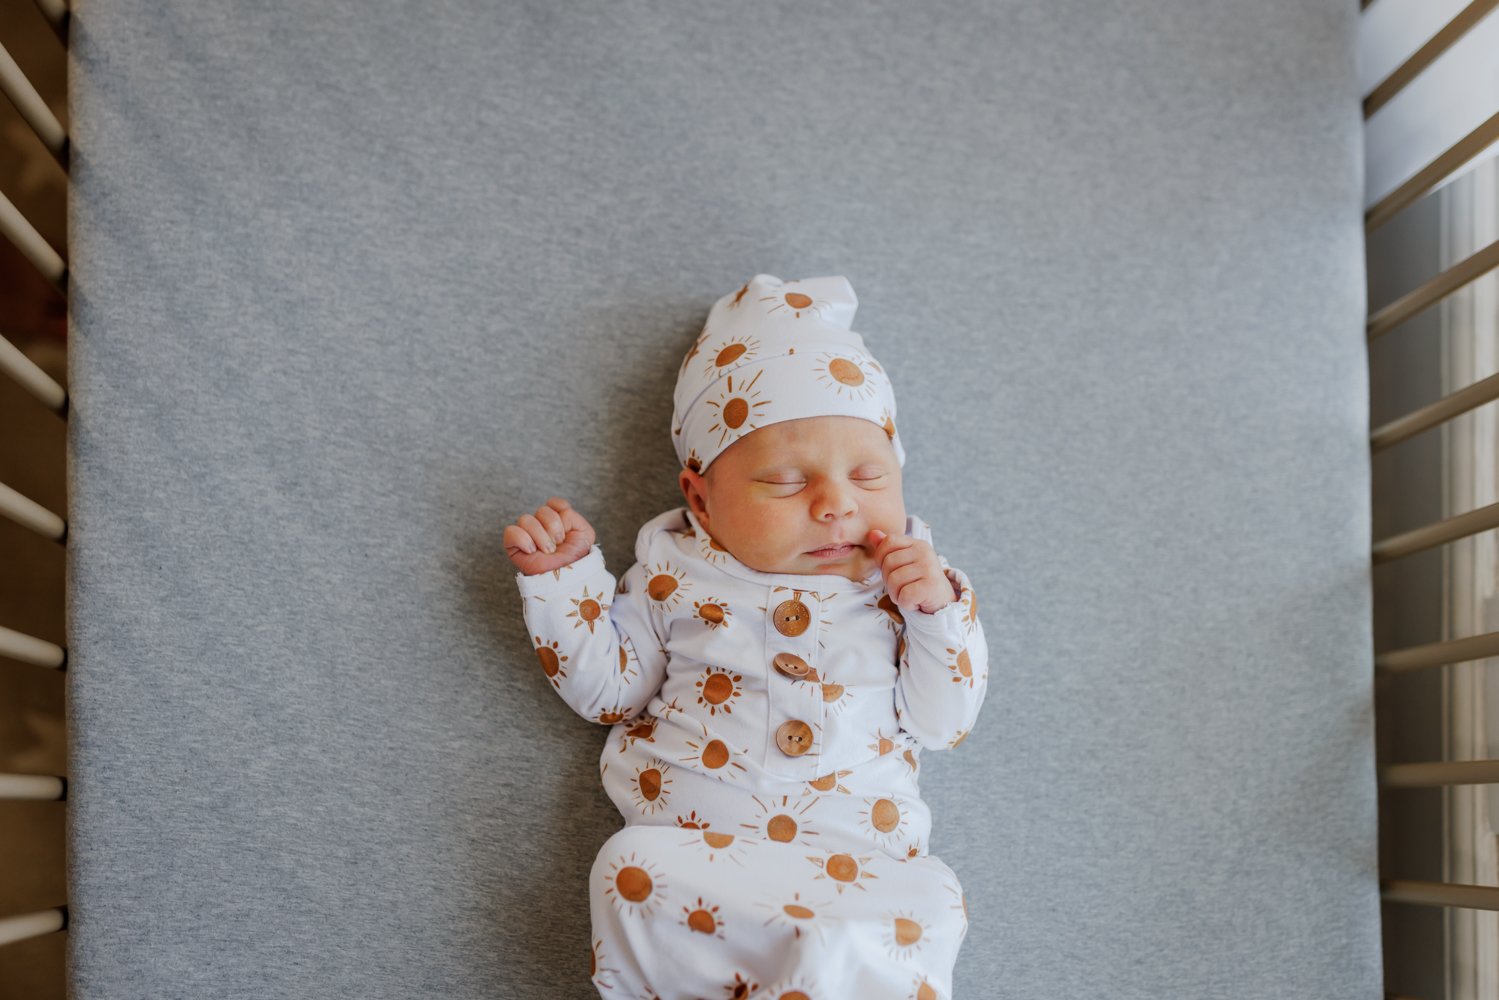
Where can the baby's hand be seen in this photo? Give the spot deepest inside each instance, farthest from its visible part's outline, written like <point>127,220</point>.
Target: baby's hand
<point>913,576</point>
<point>553,537</point>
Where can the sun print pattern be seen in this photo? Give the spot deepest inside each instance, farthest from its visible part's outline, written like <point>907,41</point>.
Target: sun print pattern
<point>846,374</point>
<point>717,689</point>
<point>587,610</point>
<point>746,859</point>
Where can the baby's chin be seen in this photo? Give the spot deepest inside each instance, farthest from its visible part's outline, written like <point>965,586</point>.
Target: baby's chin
<point>856,565</point>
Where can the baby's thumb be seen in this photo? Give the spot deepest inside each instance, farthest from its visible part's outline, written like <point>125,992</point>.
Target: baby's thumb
<point>579,536</point>
<point>573,546</point>
<point>876,536</point>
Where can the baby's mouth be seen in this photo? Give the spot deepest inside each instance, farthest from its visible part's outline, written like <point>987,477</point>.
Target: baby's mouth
<point>834,551</point>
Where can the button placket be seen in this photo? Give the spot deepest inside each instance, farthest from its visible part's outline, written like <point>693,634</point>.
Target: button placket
<point>794,741</point>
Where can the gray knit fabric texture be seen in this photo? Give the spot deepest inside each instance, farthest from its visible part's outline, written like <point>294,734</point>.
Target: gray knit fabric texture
<point>353,285</point>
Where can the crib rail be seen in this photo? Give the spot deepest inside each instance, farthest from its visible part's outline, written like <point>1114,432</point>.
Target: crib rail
<point>31,378</point>
<point>16,646</point>
<point>1427,54</point>
<point>28,649</point>
<point>33,109</point>
<point>30,925</point>
<point>1429,416</point>
<point>1437,654</point>
<point>1459,160</point>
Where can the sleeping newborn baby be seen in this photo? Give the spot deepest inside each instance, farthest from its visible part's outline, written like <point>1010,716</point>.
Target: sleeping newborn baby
<point>772,665</point>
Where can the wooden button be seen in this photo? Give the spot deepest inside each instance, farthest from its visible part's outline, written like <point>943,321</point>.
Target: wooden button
<point>792,666</point>
<point>794,737</point>
<point>792,617</point>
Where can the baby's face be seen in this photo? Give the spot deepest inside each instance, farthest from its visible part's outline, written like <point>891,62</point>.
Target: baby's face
<point>779,493</point>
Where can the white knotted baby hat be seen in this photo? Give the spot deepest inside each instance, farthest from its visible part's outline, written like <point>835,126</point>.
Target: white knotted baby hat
<point>777,350</point>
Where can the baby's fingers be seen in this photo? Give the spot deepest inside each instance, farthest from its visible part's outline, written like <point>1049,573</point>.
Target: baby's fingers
<point>552,521</point>
<point>539,534</point>
<point>888,544</point>
<point>516,539</point>
<point>577,528</point>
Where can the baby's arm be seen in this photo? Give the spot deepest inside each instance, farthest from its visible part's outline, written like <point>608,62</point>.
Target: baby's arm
<point>943,671</point>
<point>598,641</point>
<point>943,663</point>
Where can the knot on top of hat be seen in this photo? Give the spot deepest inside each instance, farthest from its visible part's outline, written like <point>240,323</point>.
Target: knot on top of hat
<point>776,350</point>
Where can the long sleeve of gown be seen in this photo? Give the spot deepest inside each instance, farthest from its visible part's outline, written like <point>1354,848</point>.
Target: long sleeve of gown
<point>599,642</point>
<point>943,669</point>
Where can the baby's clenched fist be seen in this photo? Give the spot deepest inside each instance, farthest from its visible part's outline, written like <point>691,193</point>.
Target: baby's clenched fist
<point>914,578</point>
<point>553,537</point>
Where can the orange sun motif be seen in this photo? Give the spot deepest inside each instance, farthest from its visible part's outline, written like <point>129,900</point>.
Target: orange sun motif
<point>911,759</point>
<point>830,781</point>
<point>666,585</point>
<point>736,412</point>
<point>732,353</point>
<point>588,611</point>
<point>642,727</point>
<point>692,821</point>
<point>884,744</point>
<point>740,988</point>
<point>904,934</point>
<point>552,660</point>
<point>796,913</point>
<point>712,552</point>
<point>717,843</point>
<point>961,666</point>
<point>836,697</point>
<point>893,616</point>
<point>627,657</point>
<point>635,885</point>
<point>845,373</point>
<point>714,611</point>
<point>715,757</point>
<point>961,902</point>
<point>798,988</point>
<point>784,822</point>
<point>844,869</point>
<point>600,974</point>
<point>887,420</point>
<point>703,919</point>
<point>670,708</point>
<point>795,303</point>
<point>883,820</point>
<point>717,689</point>
<point>697,344</point>
<point>651,786</point>
<point>922,990</point>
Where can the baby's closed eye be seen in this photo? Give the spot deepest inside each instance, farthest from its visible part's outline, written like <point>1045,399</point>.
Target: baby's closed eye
<point>868,478</point>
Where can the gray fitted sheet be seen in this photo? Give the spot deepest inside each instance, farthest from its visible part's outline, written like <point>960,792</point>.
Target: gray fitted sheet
<point>354,285</point>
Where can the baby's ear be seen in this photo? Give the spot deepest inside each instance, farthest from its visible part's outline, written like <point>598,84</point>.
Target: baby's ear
<point>694,493</point>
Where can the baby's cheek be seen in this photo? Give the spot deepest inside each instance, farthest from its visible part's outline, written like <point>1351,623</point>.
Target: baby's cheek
<point>755,515</point>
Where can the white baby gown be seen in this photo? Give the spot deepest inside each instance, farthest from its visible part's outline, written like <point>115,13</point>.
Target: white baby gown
<point>766,740</point>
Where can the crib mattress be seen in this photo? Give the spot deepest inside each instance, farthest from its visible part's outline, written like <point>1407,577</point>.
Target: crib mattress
<point>354,285</point>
